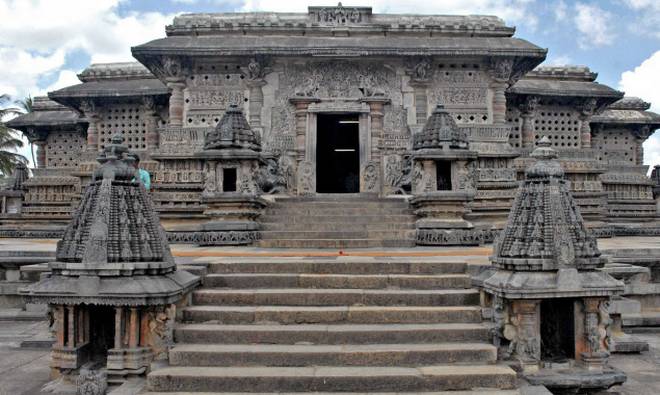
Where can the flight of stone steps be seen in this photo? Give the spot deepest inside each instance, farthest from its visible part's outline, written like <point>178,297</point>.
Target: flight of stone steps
<point>337,221</point>
<point>333,325</point>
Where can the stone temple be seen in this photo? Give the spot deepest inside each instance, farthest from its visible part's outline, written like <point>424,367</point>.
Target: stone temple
<point>340,104</point>
<point>337,128</point>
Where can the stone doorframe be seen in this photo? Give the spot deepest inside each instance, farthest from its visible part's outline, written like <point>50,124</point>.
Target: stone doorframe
<point>370,129</point>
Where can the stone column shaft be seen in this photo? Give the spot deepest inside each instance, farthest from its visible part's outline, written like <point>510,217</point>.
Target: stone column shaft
<point>528,130</point>
<point>376,129</point>
<point>499,102</point>
<point>59,312</point>
<point>256,102</point>
<point>71,335</point>
<point>176,102</point>
<point>41,154</point>
<point>119,312</point>
<point>92,132</point>
<point>133,328</point>
<point>585,133</point>
<point>301,129</point>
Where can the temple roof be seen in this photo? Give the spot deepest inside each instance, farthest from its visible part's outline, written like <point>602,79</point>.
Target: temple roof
<point>629,110</point>
<point>111,80</point>
<point>249,45</point>
<point>46,114</point>
<point>565,81</point>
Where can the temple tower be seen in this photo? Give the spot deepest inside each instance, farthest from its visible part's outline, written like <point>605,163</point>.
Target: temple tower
<point>113,287</point>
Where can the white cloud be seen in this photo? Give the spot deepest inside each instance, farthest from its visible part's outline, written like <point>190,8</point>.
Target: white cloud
<point>647,18</point>
<point>37,35</point>
<point>643,82</point>
<point>594,25</point>
<point>64,79</point>
<point>512,11</point>
<point>560,10</point>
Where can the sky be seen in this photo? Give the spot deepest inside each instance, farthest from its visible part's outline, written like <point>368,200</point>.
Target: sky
<point>45,43</point>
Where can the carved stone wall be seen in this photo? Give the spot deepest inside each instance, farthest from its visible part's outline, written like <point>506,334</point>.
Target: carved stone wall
<point>462,87</point>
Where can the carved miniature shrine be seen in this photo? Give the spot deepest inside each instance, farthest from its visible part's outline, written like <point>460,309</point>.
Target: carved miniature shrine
<point>113,287</point>
<point>336,106</point>
<point>550,301</point>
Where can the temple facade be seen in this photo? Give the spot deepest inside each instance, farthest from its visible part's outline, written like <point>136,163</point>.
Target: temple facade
<point>440,112</point>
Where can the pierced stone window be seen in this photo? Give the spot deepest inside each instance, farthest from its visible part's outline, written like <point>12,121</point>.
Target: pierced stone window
<point>63,149</point>
<point>515,121</point>
<point>443,175</point>
<point>560,124</point>
<point>128,120</point>
<point>615,146</point>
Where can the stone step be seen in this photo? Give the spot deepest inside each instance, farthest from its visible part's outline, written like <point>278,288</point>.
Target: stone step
<point>331,334</point>
<point>313,211</point>
<point>335,297</point>
<point>332,314</point>
<point>341,219</point>
<point>336,243</point>
<point>330,355</point>
<point>363,281</point>
<point>338,265</point>
<point>484,391</point>
<point>336,227</point>
<point>338,235</point>
<point>332,378</point>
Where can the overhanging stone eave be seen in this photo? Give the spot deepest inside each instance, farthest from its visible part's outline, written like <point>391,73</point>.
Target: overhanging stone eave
<point>606,97</point>
<point>337,46</point>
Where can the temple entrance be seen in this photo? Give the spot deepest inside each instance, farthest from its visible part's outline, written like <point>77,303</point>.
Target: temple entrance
<point>338,153</point>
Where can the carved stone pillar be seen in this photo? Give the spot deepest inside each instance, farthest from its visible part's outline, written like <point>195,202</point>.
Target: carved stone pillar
<point>528,112</point>
<point>256,102</point>
<point>88,108</point>
<point>594,339</point>
<point>41,154</point>
<point>421,101</point>
<point>528,339</point>
<point>499,102</point>
<point>377,116</point>
<point>500,71</point>
<point>301,125</point>
<point>587,109</point>
<point>175,71</point>
<point>151,121</point>
<point>176,102</point>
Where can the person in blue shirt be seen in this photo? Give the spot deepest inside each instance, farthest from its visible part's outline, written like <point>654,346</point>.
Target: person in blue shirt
<point>144,176</point>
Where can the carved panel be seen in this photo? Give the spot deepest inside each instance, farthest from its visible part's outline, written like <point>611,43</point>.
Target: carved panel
<point>463,89</point>
<point>129,120</point>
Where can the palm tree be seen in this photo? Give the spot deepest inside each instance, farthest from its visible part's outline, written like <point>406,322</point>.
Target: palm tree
<point>9,142</point>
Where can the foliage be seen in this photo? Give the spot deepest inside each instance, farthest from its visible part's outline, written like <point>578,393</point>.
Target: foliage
<point>10,142</point>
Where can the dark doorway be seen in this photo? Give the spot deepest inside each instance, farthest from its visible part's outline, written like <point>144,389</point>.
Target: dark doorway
<point>101,332</point>
<point>443,175</point>
<point>338,153</point>
<point>557,330</point>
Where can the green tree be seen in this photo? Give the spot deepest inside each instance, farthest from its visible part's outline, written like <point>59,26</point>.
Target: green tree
<point>9,140</point>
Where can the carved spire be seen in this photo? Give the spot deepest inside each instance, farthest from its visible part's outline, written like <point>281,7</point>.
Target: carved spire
<point>233,131</point>
<point>115,223</point>
<point>545,230</point>
<point>440,131</point>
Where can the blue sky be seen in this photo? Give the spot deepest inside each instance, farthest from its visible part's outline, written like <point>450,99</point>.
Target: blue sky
<point>45,43</point>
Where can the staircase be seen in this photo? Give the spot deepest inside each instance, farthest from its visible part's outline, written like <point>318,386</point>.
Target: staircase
<point>335,325</point>
<point>337,221</point>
